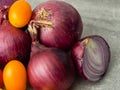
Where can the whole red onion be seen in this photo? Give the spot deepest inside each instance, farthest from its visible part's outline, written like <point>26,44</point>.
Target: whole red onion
<point>92,57</point>
<point>58,24</point>
<point>14,43</point>
<point>50,69</point>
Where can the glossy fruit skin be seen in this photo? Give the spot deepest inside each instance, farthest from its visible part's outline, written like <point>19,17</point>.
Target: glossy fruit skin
<point>20,13</point>
<point>1,78</point>
<point>14,76</point>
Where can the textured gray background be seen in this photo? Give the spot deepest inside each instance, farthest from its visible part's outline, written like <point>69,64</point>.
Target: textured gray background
<point>100,17</point>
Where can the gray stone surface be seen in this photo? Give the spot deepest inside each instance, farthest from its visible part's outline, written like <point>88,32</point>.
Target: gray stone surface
<point>101,17</point>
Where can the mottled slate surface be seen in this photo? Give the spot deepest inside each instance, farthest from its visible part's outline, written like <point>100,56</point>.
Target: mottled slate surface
<point>100,17</point>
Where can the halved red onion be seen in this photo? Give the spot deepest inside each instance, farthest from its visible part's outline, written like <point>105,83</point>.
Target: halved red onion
<point>58,24</point>
<point>92,57</point>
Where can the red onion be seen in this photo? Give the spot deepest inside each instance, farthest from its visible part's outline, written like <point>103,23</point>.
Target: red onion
<point>4,5</point>
<point>3,13</point>
<point>50,69</point>
<point>14,43</point>
<point>92,57</point>
<point>1,78</point>
<point>58,23</point>
<point>6,2</point>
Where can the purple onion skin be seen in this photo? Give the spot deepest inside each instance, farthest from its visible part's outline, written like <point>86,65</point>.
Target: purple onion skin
<point>50,69</point>
<point>92,56</point>
<point>14,44</point>
<point>6,2</point>
<point>3,13</point>
<point>65,25</point>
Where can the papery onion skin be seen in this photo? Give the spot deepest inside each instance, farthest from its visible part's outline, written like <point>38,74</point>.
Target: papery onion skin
<point>14,44</point>
<point>58,23</point>
<point>6,2</point>
<point>92,56</point>
<point>49,69</point>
